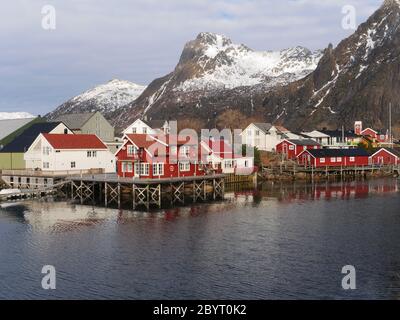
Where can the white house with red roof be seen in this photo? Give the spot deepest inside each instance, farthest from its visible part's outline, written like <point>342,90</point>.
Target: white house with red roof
<point>69,152</point>
<point>222,154</point>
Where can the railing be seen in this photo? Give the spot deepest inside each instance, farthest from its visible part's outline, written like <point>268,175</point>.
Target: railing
<point>40,173</point>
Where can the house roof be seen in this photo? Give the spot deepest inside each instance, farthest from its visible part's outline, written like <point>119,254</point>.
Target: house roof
<point>326,153</point>
<point>74,141</point>
<point>155,124</point>
<point>339,133</point>
<point>395,151</point>
<point>75,121</point>
<point>263,126</point>
<point>304,142</point>
<point>315,134</point>
<point>282,129</point>
<point>142,140</point>
<point>22,142</point>
<point>221,149</point>
<point>10,125</point>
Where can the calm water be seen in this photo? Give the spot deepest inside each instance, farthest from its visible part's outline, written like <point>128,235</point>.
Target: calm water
<point>281,241</point>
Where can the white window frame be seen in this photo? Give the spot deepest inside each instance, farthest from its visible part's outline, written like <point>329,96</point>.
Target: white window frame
<point>333,159</point>
<point>131,150</point>
<point>184,151</point>
<point>144,169</point>
<point>158,169</point>
<point>339,159</point>
<point>73,164</point>
<point>322,160</point>
<point>46,165</point>
<point>291,147</point>
<point>352,159</point>
<point>184,166</point>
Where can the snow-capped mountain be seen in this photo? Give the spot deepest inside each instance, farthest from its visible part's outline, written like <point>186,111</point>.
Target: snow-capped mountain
<point>105,98</point>
<point>357,80</point>
<point>223,64</point>
<point>15,115</point>
<point>213,73</point>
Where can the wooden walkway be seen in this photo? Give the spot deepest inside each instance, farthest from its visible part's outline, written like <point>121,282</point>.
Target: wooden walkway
<point>109,189</point>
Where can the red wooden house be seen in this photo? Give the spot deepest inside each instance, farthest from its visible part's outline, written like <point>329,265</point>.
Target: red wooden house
<point>149,157</point>
<point>334,158</point>
<point>385,156</point>
<point>379,136</point>
<point>292,148</point>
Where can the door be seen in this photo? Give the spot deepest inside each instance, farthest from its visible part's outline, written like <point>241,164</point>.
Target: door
<point>136,169</point>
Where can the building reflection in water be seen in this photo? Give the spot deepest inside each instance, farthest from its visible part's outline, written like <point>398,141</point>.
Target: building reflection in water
<point>55,216</point>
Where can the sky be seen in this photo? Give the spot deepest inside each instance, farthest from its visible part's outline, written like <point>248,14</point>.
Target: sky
<point>95,41</point>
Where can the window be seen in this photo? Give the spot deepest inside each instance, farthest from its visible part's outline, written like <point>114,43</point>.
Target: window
<point>144,130</point>
<point>304,147</point>
<point>127,167</point>
<point>184,151</point>
<point>184,166</point>
<point>144,169</point>
<point>246,164</point>
<point>291,147</point>
<point>158,169</point>
<point>228,164</point>
<point>249,133</point>
<point>322,160</point>
<point>132,150</point>
<point>73,165</point>
<point>352,159</point>
<point>257,132</point>
<point>89,154</point>
<point>94,154</point>
<point>333,160</point>
<point>339,159</point>
<point>46,151</point>
<point>133,130</point>
<point>46,165</point>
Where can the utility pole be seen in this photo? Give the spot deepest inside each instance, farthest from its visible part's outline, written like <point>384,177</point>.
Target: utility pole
<point>390,125</point>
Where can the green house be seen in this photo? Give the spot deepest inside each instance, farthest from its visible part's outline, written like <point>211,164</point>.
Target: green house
<point>12,154</point>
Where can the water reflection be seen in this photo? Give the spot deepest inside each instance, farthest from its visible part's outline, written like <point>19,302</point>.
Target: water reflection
<point>59,216</point>
<point>290,192</point>
<point>277,241</point>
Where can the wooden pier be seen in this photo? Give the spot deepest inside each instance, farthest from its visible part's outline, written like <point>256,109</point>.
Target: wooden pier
<point>109,189</point>
<point>311,173</point>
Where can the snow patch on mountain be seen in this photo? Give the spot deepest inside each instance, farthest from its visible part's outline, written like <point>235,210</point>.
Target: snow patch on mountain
<point>110,96</point>
<point>15,115</point>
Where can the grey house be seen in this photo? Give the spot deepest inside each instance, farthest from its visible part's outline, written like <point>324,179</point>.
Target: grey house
<point>89,123</point>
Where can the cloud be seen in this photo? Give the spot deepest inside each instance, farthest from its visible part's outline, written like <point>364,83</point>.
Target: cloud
<point>96,40</point>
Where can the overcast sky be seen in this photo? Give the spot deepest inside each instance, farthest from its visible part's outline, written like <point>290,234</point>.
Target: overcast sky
<point>140,40</point>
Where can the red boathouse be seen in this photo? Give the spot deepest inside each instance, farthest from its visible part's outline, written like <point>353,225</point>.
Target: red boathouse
<point>334,158</point>
<point>292,148</point>
<point>385,156</point>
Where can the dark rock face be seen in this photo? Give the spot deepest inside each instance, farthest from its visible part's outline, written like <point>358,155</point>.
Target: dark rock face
<point>355,81</point>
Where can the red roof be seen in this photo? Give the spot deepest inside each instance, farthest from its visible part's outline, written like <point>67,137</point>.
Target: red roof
<point>74,141</point>
<point>142,140</point>
<point>222,149</point>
